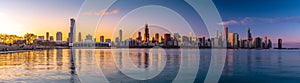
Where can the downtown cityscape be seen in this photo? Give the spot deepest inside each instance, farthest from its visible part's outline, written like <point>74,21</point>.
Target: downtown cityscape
<point>149,41</point>
<point>143,40</point>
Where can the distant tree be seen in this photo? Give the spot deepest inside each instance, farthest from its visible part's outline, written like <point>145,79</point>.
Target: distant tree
<point>29,38</point>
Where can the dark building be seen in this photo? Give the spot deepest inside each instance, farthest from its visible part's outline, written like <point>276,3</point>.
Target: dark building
<point>269,44</point>
<point>47,36</point>
<point>167,39</point>
<point>249,35</point>
<point>101,38</point>
<point>258,42</point>
<point>146,35</point>
<point>279,43</point>
<point>139,38</point>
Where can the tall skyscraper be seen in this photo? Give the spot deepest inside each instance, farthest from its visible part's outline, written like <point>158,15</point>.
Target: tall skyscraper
<point>258,42</point>
<point>72,35</point>
<point>79,37</point>
<point>102,38</point>
<point>249,35</point>
<point>146,35</point>
<point>279,43</point>
<point>47,36</point>
<point>225,34</point>
<point>59,37</point>
<point>120,35</point>
<point>233,40</point>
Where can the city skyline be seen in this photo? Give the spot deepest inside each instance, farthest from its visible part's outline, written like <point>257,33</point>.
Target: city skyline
<point>58,22</point>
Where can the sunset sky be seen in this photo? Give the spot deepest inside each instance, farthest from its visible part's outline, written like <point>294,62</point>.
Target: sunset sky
<point>274,18</point>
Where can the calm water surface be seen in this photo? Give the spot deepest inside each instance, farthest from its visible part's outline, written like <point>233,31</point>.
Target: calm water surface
<point>58,66</point>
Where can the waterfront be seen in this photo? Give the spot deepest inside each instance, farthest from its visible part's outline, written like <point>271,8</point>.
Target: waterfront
<point>257,66</point>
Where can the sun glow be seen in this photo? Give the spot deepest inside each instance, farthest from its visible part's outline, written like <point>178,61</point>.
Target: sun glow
<point>10,26</point>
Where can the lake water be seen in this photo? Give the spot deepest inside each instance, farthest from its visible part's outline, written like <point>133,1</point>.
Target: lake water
<point>151,65</point>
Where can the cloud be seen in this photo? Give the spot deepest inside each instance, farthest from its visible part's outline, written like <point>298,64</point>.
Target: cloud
<point>257,20</point>
<point>230,22</point>
<point>102,12</point>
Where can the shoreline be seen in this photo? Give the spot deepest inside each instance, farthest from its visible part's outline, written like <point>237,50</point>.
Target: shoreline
<point>36,49</point>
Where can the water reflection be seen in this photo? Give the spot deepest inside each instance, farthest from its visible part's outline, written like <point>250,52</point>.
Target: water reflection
<point>59,66</point>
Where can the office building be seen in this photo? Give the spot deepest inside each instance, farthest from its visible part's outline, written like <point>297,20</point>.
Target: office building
<point>47,36</point>
<point>279,44</point>
<point>72,35</point>
<point>79,37</point>
<point>59,37</point>
<point>102,38</point>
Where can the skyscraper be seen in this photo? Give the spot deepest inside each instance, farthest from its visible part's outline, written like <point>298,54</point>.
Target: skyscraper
<point>139,36</point>
<point>265,43</point>
<point>59,37</point>
<point>72,35</point>
<point>279,43</point>
<point>120,35</point>
<point>249,38</point>
<point>146,35</point>
<point>51,38</point>
<point>102,38</point>
<point>79,37</point>
<point>269,44</point>
<point>249,35</point>
<point>47,36</point>
<point>167,39</point>
<point>258,42</point>
<point>233,40</point>
<point>225,35</point>
<point>157,37</point>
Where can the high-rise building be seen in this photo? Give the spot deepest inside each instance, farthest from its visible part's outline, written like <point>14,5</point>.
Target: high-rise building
<point>269,44</point>
<point>108,40</point>
<point>225,34</point>
<point>258,42</point>
<point>139,38</point>
<point>120,35</point>
<point>47,36</point>
<point>89,38</point>
<point>233,40</point>
<point>249,38</point>
<point>157,37</point>
<point>59,37</point>
<point>249,35</point>
<point>72,35</point>
<point>279,43</point>
<point>146,35</point>
<point>51,38</point>
<point>167,38</point>
<point>102,38</point>
<point>79,37</point>
<point>176,36</point>
<point>265,43</point>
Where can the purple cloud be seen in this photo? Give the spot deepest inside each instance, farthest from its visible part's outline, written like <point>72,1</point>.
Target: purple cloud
<point>256,20</point>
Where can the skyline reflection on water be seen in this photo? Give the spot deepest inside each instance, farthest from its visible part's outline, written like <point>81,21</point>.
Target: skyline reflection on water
<point>56,65</point>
